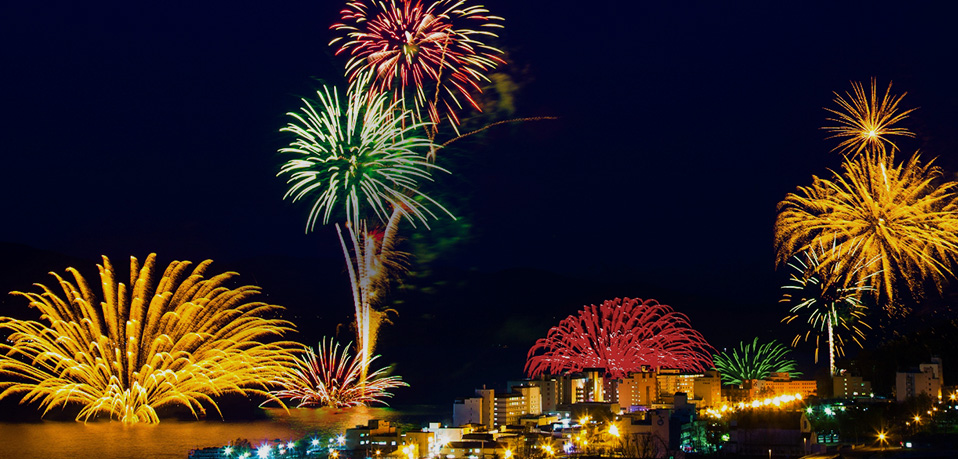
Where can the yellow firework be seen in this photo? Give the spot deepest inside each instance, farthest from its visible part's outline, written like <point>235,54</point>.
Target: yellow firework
<point>902,215</point>
<point>864,122</point>
<point>143,345</point>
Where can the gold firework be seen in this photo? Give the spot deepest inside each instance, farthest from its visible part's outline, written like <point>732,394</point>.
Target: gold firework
<point>901,215</point>
<point>864,122</point>
<point>181,341</point>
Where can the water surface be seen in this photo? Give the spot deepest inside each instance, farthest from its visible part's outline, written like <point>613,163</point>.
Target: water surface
<point>174,439</point>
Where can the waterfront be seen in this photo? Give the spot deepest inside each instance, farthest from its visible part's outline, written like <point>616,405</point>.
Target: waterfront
<point>174,439</point>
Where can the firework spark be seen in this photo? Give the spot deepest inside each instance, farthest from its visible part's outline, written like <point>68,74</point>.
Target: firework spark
<point>180,342</point>
<point>333,378</point>
<point>829,295</point>
<point>431,54</point>
<point>620,336</point>
<point>754,361</point>
<point>362,155</point>
<point>902,215</point>
<point>864,122</point>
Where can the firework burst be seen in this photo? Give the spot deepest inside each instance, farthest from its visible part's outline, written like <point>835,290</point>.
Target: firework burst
<point>829,296</point>
<point>754,361</point>
<point>865,123</point>
<point>333,378</point>
<point>361,155</point>
<point>430,53</point>
<point>902,215</point>
<point>620,336</point>
<point>180,342</point>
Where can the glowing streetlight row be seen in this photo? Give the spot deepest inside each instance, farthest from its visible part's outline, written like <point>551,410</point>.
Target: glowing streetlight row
<point>773,402</point>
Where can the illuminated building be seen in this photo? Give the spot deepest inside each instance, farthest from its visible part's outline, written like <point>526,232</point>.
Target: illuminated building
<point>417,444</point>
<point>488,406</point>
<point>594,389</point>
<point>638,389</point>
<point>927,380</point>
<point>708,389</point>
<point>781,384</point>
<point>492,410</point>
<point>844,385</point>
<point>671,381</point>
<point>548,391</point>
<point>375,435</point>
<point>466,449</point>
<point>522,401</point>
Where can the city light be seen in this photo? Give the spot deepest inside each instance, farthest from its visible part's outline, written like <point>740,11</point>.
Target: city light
<point>263,451</point>
<point>772,402</point>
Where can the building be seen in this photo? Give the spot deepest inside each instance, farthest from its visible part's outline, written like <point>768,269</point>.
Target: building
<point>708,389</point>
<point>488,414</point>
<point>376,435</point>
<point>781,384</point>
<point>926,380</point>
<point>637,389</point>
<point>662,433</point>
<point>524,400</point>
<point>548,391</point>
<point>670,381</point>
<point>845,385</point>
<point>467,411</point>
<point>419,444</point>
<point>472,449</point>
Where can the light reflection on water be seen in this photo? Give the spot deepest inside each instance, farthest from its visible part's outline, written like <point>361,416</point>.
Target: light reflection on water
<point>174,439</point>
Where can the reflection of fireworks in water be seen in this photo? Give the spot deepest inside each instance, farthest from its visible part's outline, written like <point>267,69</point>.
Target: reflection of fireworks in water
<point>754,361</point>
<point>331,378</point>
<point>864,123</point>
<point>179,342</point>
<point>829,295</point>
<point>620,336</point>
<point>895,213</point>
<point>430,54</point>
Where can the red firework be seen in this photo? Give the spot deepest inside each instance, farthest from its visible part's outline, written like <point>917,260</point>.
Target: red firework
<point>336,379</point>
<point>621,336</point>
<point>418,50</point>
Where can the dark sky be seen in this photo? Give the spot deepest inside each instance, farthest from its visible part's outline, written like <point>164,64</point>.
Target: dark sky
<point>132,127</point>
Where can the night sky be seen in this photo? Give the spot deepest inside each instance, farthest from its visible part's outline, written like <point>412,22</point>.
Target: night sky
<point>130,128</point>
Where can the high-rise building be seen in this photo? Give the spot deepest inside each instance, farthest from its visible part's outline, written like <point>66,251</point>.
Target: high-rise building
<point>671,381</point>
<point>488,406</point>
<point>522,401</point>
<point>638,389</point>
<point>708,389</point>
<point>548,391</point>
<point>467,411</point>
<point>927,380</point>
